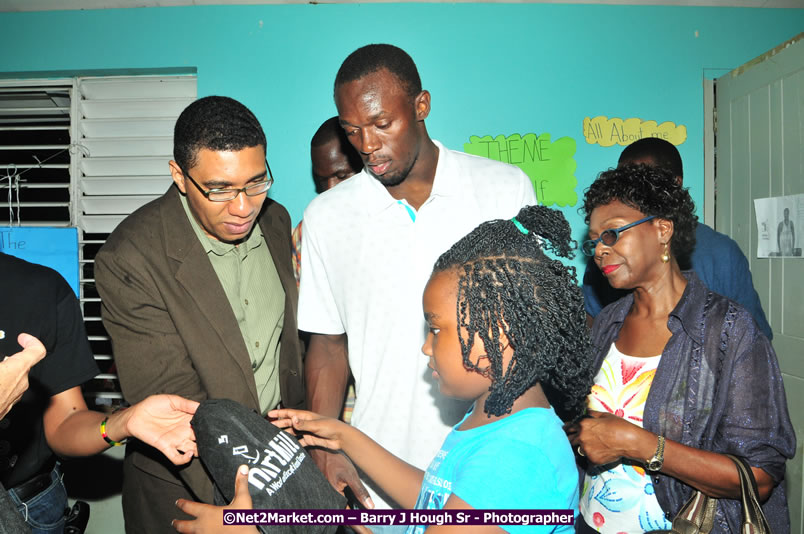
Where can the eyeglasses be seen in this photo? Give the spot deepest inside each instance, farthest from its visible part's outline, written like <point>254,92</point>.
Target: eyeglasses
<point>609,237</point>
<point>225,195</point>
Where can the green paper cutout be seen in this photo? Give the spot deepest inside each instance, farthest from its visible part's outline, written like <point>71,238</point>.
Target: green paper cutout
<point>549,165</point>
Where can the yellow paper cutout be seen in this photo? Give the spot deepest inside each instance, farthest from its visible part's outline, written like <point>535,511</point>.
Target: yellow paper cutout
<point>607,132</point>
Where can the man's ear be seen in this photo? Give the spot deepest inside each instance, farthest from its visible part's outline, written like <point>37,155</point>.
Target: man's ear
<point>422,104</point>
<point>177,175</point>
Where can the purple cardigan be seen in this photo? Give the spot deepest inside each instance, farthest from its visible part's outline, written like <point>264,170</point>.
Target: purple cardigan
<point>718,387</point>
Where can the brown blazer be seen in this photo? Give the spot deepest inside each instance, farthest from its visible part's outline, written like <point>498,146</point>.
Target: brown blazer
<point>173,331</point>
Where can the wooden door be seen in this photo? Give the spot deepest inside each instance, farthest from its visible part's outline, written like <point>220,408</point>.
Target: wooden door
<point>760,153</point>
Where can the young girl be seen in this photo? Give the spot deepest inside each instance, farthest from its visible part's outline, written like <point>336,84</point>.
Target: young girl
<point>506,330</point>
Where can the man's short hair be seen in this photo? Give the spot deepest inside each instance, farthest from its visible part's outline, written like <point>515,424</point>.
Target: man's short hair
<point>330,130</point>
<point>374,57</point>
<point>216,123</point>
<point>663,153</point>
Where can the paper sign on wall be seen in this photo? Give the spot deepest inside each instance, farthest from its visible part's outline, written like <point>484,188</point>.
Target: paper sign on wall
<point>779,221</point>
<point>608,132</point>
<point>56,248</point>
<point>549,164</point>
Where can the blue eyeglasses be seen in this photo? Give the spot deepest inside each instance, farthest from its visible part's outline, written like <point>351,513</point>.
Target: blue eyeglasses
<point>609,237</point>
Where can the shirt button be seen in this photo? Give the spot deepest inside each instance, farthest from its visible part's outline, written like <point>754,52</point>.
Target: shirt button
<point>257,344</point>
<point>655,480</point>
<point>254,366</point>
<point>246,301</point>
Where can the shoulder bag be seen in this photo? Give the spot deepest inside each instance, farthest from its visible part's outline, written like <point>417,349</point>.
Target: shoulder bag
<point>697,516</point>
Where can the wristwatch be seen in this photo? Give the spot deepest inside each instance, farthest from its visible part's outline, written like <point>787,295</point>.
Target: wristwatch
<point>655,463</point>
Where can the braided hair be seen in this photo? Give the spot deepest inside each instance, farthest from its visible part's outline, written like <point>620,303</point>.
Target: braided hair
<point>510,292</point>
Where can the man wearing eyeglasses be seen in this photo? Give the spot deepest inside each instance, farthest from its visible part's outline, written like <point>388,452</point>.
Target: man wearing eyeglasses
<point>199,296</point>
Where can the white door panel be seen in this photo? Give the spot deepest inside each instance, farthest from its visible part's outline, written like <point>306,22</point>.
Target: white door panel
<point>760,130</point>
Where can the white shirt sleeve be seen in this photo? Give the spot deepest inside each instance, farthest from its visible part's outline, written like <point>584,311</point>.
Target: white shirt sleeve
<point>318,312</point>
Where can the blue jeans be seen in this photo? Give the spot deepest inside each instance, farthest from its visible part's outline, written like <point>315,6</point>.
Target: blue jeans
<point>44,512</point>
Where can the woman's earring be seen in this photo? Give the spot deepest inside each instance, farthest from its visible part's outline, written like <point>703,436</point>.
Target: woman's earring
<point>666,254</point>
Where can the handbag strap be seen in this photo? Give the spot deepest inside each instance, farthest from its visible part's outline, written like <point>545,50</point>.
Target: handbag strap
<point>698,513</point>
<point>754,521</point>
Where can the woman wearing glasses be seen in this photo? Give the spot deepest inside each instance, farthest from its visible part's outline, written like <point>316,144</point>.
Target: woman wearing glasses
<point>684,375</point>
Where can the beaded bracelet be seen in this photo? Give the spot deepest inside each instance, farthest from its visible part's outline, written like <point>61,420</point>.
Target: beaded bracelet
<point>109,440</point>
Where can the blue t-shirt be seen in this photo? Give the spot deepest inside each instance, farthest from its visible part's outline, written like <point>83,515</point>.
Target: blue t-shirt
<point>523,461</point>
<point>718,262</point>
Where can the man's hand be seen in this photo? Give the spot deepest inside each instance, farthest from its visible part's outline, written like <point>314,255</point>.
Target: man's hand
<point>209,518</point>
<point>14,371</point>
<point>341,473</point>
<point>163,422</point>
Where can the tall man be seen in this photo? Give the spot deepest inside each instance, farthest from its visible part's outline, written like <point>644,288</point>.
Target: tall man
<point>370,245</point>
<point>199,296</point>
<point>717,259</point>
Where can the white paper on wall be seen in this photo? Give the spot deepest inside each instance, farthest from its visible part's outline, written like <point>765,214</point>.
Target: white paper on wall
<point>780,221</point>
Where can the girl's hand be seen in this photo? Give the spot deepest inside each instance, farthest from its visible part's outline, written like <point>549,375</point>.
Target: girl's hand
<point>603,437</point>
<point>209,518</point>
<point>310,428</point>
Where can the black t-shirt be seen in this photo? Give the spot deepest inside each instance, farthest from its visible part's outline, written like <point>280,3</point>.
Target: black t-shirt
<point>38,301</point>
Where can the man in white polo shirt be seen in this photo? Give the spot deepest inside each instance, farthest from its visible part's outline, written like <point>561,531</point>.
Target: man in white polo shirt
<point>369,249</point>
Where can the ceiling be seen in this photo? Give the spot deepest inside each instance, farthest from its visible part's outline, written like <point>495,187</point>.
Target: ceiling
<point>52,5</point>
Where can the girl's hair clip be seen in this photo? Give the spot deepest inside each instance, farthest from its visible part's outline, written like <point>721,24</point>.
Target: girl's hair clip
<point>519,226</point>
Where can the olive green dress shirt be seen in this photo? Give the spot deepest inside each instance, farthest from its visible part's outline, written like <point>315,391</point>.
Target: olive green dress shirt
<point>249,279</point>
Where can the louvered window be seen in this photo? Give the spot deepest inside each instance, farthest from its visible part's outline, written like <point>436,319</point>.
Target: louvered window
<point>126,125</point>
<point>34,155</point>
<point>121,130</point>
